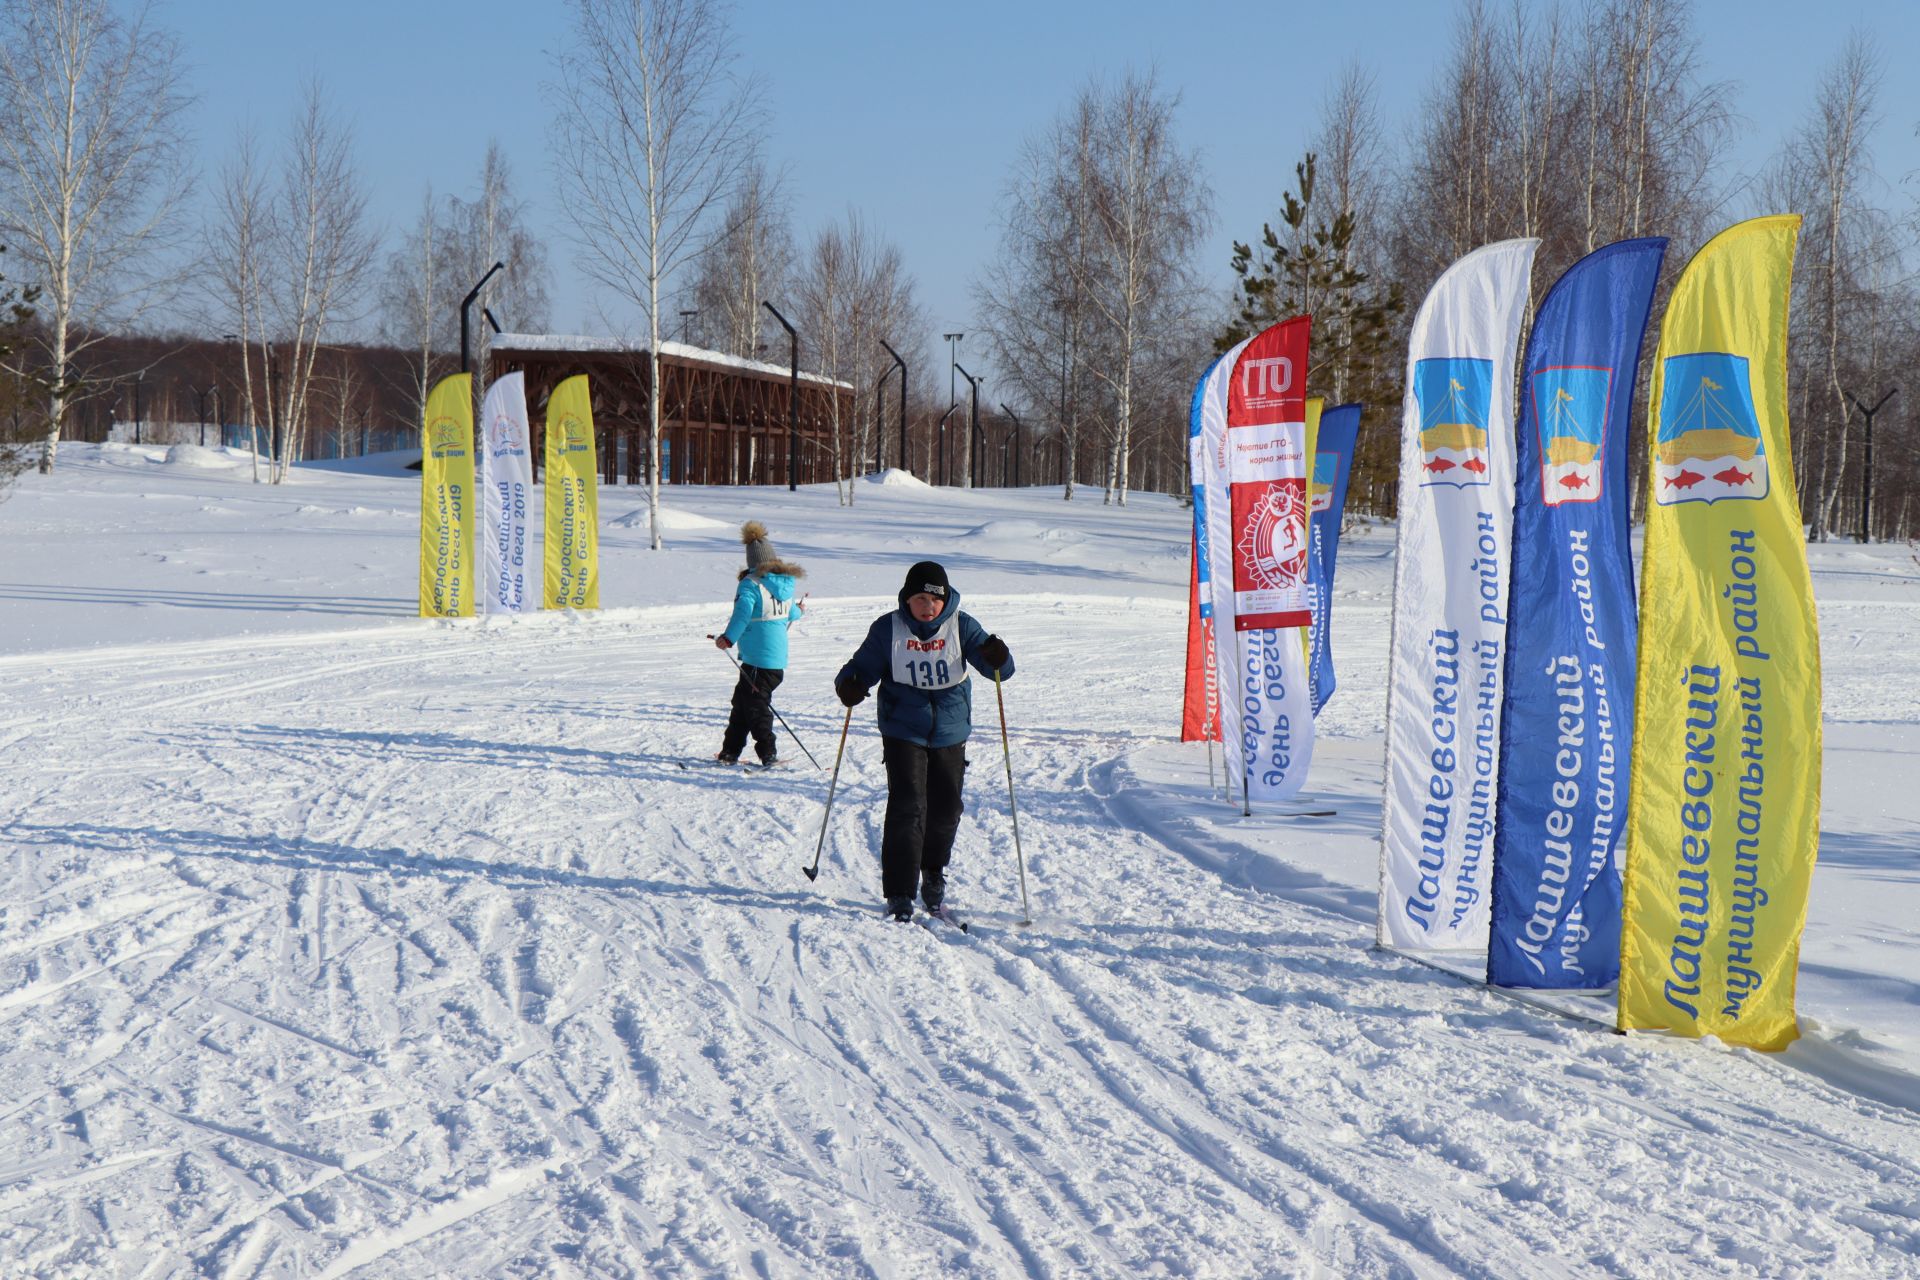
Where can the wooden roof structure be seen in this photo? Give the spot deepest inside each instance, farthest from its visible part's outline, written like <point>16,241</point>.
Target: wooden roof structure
<point>723,419</point>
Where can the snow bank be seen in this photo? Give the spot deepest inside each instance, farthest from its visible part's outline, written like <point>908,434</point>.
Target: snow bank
<point>895,478</point>
<point>671,521</point>
<point>1024,532</point>
<point>395,462</point>
<point>195,457</point>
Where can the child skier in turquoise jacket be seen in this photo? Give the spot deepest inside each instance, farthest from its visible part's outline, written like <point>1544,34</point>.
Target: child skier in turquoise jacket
<point>763,608</point>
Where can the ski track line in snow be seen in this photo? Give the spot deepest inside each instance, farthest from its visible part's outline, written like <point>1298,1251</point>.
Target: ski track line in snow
<point>1156,823</point>
<point>1200,1134</point>
<point>494,983</point>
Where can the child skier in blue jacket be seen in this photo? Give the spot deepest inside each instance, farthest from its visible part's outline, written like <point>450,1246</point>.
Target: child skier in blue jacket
<point>763,608</point>
<point>919,654</point>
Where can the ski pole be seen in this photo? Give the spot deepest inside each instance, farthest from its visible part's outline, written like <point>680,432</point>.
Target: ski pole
<point>813,872</point>
<point>1013,806</point>
<point>777,716</point>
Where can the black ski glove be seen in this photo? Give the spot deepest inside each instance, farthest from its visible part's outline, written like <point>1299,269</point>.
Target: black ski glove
<point>993,652</point>
<point>852,692</point>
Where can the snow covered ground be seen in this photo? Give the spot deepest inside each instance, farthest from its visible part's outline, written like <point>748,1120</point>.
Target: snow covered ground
<point>335,942</point>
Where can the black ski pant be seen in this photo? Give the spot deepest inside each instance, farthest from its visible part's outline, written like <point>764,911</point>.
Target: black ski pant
<point>923,813</point>
<point>752,713</point>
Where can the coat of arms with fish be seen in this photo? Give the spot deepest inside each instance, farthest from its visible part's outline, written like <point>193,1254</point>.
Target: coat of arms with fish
<point>1455,398</point>
<point>1570,406</point>
<point>1709,445</point>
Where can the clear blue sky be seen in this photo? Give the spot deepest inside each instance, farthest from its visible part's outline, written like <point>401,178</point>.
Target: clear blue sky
<point>912,113</point>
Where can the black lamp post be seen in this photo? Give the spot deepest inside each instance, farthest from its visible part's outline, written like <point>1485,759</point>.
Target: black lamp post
<point>466,314</point>
<point>234,338</point>
<point>941,432</point>
<point>973,432</point>
<point>1016,442</point>
<point>686,322</point>
<point>139,383</point>
<point>953,363</point>
<point>904,464</point>
<point>1866,470</point>
<point>793,403</point>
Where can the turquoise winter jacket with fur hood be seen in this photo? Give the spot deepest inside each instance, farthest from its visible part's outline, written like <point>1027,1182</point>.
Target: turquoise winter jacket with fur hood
<point>762,640</point>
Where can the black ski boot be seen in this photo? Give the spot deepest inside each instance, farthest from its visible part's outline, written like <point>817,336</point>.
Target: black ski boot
<point>900,909</point>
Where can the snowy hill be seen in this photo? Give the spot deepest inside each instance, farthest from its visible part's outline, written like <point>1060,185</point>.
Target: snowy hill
<point>335,942</point>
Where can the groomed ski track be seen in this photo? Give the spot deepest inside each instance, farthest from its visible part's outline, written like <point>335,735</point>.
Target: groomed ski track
<point>411,951</point>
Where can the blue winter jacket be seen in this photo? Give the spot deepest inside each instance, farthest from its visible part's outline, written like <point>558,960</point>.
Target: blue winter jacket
<point>929,717</point>
<point>762,641</point>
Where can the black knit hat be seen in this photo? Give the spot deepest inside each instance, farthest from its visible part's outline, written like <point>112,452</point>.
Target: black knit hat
<point>927,577</point>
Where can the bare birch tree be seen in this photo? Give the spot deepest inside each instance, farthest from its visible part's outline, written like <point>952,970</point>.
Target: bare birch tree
<point>884,308</point>
<point>318,258</point>
<point>1030,299</point>
<point>451,244</point>
<point>1112,203</point>
<point>21,392</point>
<point>852,289</point>
<point>746,260</point>
<point>1833,146</point>
<point>92,170</point>
<point>654,137</point>
<point>1352,159</point>
<point>824,288</point>
<point>1147,210</point>
<point>1535,69</point>
<point>414,300</point>
<point>492,227</point>
<point>236,249</point>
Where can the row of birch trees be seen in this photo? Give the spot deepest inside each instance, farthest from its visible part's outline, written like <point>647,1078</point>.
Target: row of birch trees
<point>1577,123</point>
<point>95,180</point>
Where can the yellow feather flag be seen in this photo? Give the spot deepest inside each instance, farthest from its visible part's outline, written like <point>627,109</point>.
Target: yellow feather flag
<point>1724,821</point>
<point>447,511</point>
<point>1316,405</point>
<point>572,578</point>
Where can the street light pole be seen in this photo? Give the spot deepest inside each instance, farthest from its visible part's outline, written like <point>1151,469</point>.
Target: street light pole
<point>793,403</point>
<point>1016,442</point>
<point>905,465</point>
<point>1866,471</point>
<point>953,363</point>
<point>940,431</point>
<point>466,310</point>
<point>973,432</point>
<point>686,320</point>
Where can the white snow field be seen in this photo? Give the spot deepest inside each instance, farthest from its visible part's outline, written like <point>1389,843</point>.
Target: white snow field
<point>334,942</point>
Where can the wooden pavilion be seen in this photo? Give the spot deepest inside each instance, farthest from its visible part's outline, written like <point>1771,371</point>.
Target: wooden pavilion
<point>723,419</point>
